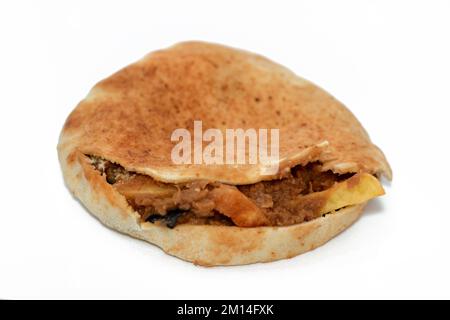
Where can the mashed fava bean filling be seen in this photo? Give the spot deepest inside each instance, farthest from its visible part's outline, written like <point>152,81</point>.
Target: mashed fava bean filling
<point>268,203</point>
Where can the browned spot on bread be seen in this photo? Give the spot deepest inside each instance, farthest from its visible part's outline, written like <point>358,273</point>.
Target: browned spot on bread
<point>204,263</point>
<point>71,158</point>
<point>235,242</point>
<point>305,231</point>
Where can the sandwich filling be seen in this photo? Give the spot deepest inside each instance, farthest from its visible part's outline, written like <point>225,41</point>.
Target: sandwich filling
<point>303,194</point>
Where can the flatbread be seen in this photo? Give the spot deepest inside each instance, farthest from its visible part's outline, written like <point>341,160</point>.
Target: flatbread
<point>129,117</point>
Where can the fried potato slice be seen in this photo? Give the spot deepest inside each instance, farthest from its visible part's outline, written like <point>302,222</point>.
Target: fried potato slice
<point>140,185</point>
<point>357,189</point>
<point>235,205</point>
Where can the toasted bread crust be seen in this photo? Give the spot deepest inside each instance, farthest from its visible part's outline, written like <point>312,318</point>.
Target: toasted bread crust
<point>129,117</point>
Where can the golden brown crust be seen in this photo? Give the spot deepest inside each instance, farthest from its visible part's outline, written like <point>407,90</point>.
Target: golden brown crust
<point>128,118</point>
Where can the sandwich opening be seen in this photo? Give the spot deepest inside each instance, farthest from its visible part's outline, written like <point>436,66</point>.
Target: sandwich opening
<point>304,194</point>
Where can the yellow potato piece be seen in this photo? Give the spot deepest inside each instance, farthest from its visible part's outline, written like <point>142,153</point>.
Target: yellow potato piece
<point>235,205</point>
<point>357,189</point>
<point>144,186</point>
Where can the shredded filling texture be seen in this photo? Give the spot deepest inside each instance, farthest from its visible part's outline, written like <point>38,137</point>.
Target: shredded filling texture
<point>295,198</point>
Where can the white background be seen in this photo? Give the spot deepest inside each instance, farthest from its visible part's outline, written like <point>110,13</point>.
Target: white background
<point>389,61</point>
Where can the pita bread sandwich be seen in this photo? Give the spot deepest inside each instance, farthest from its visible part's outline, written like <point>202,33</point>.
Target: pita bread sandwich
<point>116,152</point>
